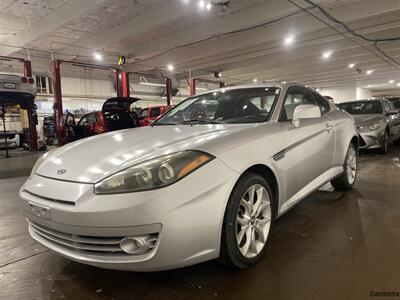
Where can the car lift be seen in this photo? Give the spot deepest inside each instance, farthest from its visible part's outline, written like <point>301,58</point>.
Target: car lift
<point>125,83</point>
<point>121,86</point>
<point>193,81</point>
<point>56,78</point>
<point>31,112</point>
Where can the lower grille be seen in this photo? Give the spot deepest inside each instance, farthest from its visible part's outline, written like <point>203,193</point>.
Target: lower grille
<point>86,244</point>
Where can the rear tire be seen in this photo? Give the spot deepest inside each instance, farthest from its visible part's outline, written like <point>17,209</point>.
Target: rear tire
<point>347,179</point>
<point>247,222</point>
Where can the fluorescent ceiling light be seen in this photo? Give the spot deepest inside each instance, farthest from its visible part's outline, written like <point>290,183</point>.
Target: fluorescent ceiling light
<point>289,40</point>
<point>208,6</point>
<point>202,4</point>
<point>351,66</point>
<point>97,56</point>
<point>170,67</point>
<point>369,72</point>
<point>398,84</point>
<point>326,54</point>
<point>391,81</point>
<point>255,80</point>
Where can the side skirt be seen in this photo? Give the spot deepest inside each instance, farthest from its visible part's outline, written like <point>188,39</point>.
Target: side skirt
<point>311,187</point>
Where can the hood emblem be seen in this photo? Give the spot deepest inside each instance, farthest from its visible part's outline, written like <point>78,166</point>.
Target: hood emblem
<point>61,172</point>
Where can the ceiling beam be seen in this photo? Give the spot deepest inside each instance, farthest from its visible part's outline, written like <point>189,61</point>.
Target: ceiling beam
<point>168,12</point>
<point>60,16</point>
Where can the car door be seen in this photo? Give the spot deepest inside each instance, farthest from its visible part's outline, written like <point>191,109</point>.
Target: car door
<point>309,147</point>
<point>393,119</point>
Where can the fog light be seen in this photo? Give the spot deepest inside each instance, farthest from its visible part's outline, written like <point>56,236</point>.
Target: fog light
<point>136,245</point>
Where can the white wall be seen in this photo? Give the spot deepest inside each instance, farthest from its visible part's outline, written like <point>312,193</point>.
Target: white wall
<point>340,94</point>
<point>89,94</point>
<point>347,94</point>
<point>363,93</point>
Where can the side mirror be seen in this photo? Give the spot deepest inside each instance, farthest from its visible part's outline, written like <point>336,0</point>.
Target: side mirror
<point>305,111</point>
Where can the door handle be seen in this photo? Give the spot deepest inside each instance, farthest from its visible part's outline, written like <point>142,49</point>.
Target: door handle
<point>329,127</point>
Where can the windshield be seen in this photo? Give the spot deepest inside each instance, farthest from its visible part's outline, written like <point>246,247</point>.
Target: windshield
<point>362,107</point>
<point>247,105</point>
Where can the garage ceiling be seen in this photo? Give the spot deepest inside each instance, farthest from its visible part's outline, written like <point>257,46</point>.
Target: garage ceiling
<point>245,40</point>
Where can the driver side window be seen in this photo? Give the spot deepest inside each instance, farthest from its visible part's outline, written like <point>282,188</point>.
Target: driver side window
<point>295,96</point>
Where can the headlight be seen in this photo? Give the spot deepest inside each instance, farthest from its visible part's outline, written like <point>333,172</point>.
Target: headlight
<point>371,127</point>
<point>40,160</point>
<point>153,174</point>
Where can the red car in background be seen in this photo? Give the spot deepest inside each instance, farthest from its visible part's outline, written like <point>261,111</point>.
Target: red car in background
<point>151,113</point>
<point>116,114</point>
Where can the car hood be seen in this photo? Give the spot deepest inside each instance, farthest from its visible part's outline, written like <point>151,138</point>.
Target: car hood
<point>367,118</point>
<point>92,159</point>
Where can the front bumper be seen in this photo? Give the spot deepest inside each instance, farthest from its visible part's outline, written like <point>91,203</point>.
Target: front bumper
<point>186,218</point>
<point>371,139</point>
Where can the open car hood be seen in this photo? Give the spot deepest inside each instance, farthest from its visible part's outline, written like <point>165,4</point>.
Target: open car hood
<point>118,104</point>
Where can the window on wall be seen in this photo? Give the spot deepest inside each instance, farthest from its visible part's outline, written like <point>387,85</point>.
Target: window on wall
<point>44,85</point>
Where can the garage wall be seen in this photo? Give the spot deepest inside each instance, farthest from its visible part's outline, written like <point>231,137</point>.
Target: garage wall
<point>89,94</point>
<point>363,93</point>
<point>347,94</point>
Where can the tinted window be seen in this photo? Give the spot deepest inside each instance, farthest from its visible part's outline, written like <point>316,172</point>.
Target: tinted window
<point>322,103</point>
<point>155,112</point>
<point>396,102</point>
<point>362,107</point>
<point>249,105</point>
<point>296,96</point>
<point>143,113</point>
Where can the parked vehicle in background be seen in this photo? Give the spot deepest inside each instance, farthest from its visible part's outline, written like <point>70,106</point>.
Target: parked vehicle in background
<point>13,139</point>
<point>151,113</point>
<point>15,89</point>
<point>206,180</point>
<point>378,122</point>
<point>115,115</point>
<point>395,102</point>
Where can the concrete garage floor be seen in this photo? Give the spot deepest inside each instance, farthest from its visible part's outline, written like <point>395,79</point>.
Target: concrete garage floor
<point>331,246</point>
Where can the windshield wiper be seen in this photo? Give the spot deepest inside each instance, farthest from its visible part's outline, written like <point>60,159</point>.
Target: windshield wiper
<point>163,124</point>
<point>199,121</point>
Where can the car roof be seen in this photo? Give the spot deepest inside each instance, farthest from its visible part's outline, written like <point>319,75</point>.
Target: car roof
<point>256,85</point>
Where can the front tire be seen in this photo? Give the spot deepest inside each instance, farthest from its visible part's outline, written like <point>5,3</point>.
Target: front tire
<point>385,143</point>
<point>247,222</point>
<point>347,179</point>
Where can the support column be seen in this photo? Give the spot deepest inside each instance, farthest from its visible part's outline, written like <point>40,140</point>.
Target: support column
<point>32,118</point>
<point>58,107</point>
<point>192,87</point>
<point>168,84</point>
<point>117,79</point>
<point>125,84</point>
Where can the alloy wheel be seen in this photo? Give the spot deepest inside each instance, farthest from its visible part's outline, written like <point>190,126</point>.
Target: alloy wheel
<point>351,165</point>
<point>253,221</point>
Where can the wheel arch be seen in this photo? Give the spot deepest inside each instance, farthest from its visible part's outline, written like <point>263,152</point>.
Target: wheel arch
<point>267,173</point>
<point>355,141</point>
